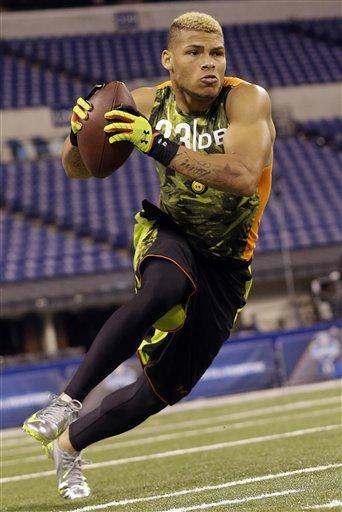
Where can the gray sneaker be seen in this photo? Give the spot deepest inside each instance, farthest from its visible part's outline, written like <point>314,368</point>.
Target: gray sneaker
<point>47,424</point>
<point>72,484</point>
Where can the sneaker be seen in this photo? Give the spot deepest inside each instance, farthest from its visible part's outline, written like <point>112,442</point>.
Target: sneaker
<point>72,484</point>
<point>47,424</point>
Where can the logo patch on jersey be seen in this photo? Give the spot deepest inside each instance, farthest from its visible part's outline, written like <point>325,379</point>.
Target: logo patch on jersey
<point>190,135</point>
<point>198,188</point>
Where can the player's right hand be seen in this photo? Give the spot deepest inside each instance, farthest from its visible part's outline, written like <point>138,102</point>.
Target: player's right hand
<point>79,112</point>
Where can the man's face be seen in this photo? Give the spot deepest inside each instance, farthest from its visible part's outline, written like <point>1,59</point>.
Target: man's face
<point>196,62</point>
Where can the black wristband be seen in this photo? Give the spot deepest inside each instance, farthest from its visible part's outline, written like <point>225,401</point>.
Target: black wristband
<point>73,139</point>
<point>163,150</point>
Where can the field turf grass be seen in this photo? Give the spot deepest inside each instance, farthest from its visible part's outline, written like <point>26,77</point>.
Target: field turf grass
<point>270,451</point>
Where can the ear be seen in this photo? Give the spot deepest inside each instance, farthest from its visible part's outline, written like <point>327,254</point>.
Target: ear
<point>166,60</point>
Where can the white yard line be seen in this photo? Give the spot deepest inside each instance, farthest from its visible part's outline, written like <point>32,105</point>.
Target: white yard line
<point>26,460</point>
<point>194,490</point>
<point>21,439</point>
<point>227,427</point>
<point>236,501</point>
<point>255,395</point>
<point>331,504</point>
<point>182,435</point>
<point>303,404</point>
<point>185,451</point>
<point>21,450</point>
<point>218,401</point>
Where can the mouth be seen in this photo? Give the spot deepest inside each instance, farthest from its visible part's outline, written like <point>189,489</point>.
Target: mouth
<point>209,79</point>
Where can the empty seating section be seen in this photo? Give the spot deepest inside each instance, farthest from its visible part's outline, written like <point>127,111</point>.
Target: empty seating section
<point>28,85</point>
<point>306,194</point>
<point>37,251</point>
<point>55,226</point>
<point>324,130</point>
<point>329,30</point>
<point>54,71</point>
<point>104,209</point>
<point>272,55</point>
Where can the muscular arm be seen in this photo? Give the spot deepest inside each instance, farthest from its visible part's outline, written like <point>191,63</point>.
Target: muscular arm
<point>222,172</point>
<point>247,143</point>
<point>72,162</point>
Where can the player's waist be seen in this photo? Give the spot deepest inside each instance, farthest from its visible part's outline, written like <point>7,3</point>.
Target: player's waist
<point>212,238</point>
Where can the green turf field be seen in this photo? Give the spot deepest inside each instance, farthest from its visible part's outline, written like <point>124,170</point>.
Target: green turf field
<point>278,450</point>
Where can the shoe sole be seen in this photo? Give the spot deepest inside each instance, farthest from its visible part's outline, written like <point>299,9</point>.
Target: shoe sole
<point>33,433</point>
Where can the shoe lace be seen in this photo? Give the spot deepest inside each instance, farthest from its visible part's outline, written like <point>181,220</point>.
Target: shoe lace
<point>73,469</point>
<point>52,411</point>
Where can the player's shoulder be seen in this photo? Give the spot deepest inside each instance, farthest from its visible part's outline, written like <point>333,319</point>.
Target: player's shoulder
<point>245,96</point>
<point>245,92</point>
<point>144,98</point>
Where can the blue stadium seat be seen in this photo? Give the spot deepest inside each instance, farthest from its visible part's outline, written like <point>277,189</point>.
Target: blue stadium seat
<point>307,177</point>
<point>35,251</point>
<point>103,210</point>
<point>270,54</point>
<point>324,130</point>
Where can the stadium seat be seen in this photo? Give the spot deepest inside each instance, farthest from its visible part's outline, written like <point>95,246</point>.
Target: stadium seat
<point>35,251</point>
<point>56,70</point>
<point>103,210</point>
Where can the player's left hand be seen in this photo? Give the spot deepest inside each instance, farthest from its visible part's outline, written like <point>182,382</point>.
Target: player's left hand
<point>129,125</point>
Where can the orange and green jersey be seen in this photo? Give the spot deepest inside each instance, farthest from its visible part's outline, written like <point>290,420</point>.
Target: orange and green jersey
<point>216,223</point>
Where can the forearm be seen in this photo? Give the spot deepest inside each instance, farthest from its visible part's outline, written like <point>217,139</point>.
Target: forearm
<point>222,172</point>
<point>72,162</point>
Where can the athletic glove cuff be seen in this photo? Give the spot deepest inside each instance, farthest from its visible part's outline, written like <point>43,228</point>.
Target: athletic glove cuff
<point>73,139</point>
<point>163,150</point>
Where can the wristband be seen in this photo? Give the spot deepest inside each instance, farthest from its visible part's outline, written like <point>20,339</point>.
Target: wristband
<point>163,150</point>
<point>73,139</point>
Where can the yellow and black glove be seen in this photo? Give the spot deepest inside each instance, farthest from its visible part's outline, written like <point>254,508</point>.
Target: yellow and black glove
<point>131,126</point>
<point>80,113</point>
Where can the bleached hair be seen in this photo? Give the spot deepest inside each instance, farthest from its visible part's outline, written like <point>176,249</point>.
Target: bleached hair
<point>198,21</point>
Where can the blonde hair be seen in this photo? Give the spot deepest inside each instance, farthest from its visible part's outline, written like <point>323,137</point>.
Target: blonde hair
<point>198,21</point>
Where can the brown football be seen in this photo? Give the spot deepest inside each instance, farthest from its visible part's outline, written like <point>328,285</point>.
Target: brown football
<point>99,156</point>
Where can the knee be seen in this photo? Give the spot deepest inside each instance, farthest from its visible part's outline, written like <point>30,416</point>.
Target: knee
<point>152,403</point>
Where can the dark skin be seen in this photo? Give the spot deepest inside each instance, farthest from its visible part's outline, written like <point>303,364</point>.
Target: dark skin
<point>196,63</point>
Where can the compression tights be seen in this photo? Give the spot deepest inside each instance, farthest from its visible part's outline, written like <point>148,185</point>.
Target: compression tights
<point>163,286</point>
<point>118,412</point>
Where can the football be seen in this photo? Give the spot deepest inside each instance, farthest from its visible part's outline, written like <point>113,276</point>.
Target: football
<point>99,156</point>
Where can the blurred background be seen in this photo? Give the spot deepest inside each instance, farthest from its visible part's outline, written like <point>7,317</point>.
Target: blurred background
<point>66,245</point>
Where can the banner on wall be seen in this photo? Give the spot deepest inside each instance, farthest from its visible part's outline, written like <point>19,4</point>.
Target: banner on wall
<point>127,21</point>
<point>311,356</point>
<point>28,388</point>
<point>239,367</point>
<point>263,361</point>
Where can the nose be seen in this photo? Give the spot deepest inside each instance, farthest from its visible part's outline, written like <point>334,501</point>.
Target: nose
<point>208,65</point>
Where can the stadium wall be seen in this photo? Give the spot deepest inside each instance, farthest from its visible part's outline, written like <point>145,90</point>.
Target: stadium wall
<point>56,22</point>
<point>257,362</point>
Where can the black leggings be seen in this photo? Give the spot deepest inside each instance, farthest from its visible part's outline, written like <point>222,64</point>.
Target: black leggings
<point>120,411</point>
<point>163,286</point>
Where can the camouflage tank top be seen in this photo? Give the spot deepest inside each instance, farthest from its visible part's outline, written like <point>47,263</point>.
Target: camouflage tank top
<point>216,223</point>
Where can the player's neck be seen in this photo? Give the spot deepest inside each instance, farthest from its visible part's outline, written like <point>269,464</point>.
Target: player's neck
<point>190,104</point>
